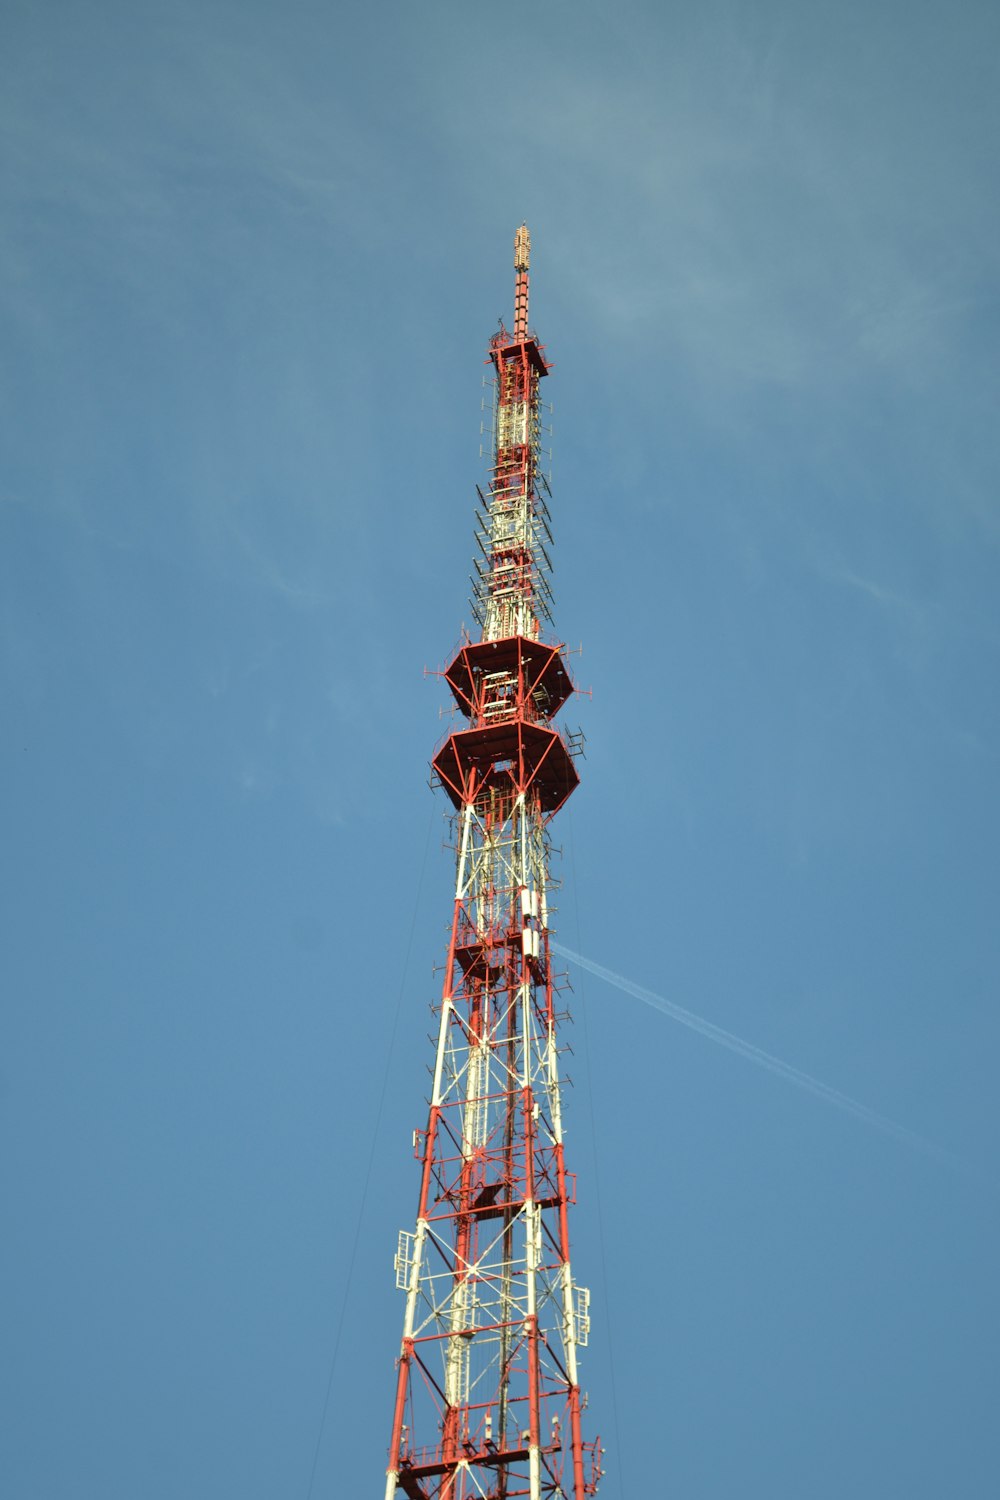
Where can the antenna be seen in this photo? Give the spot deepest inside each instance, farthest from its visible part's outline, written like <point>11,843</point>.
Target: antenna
<point>488,1403</point>
<point>522,259</point>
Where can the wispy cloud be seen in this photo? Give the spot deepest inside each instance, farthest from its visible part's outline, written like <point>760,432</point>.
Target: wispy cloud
<point>758,192</point>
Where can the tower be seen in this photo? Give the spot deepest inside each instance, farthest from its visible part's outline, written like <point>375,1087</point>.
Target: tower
<point>488,1401</point>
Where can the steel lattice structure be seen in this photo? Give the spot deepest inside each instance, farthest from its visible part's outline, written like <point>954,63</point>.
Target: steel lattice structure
<point>488,1401</point>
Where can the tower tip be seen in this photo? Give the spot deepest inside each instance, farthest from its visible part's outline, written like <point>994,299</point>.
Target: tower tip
<point>522,254</point>
<point>522,248</point>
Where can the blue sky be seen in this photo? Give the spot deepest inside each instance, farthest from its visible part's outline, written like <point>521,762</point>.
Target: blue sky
<point>250,258</point>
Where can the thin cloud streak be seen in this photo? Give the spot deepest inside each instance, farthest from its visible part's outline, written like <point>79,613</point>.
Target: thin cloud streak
<point>771,1064</point>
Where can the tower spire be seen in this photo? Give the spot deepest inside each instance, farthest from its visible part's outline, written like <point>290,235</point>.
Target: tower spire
<point>522,259</point>
<point>488,1401</point>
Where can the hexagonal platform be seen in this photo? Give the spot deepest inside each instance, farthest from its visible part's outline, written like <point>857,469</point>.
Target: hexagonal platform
<point>540,668</point>
<point>513,755</point>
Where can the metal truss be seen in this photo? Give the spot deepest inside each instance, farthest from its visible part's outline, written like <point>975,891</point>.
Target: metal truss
<point>488,1399</point>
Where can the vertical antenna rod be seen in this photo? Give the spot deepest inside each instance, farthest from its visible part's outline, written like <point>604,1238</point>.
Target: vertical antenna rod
<point>522,258</point>
<point>488,1403</point>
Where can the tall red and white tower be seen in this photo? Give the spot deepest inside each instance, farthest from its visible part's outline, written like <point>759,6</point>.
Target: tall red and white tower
<point>488,1401</point>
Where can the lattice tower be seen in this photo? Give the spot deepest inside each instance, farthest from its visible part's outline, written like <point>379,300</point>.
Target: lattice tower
<point>488,1398</point>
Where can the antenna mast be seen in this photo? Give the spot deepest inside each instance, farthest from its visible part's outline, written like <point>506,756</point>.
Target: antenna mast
<point>488,1401</point>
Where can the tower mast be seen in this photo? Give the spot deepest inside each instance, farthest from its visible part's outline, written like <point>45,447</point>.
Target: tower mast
<point>488,1401</point>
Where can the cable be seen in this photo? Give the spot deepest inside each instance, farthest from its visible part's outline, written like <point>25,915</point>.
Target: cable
<point>597,1174</point>
<point>371,1158</point>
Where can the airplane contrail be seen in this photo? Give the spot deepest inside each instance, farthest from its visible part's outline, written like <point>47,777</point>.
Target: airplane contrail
<point>776,1065</point>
